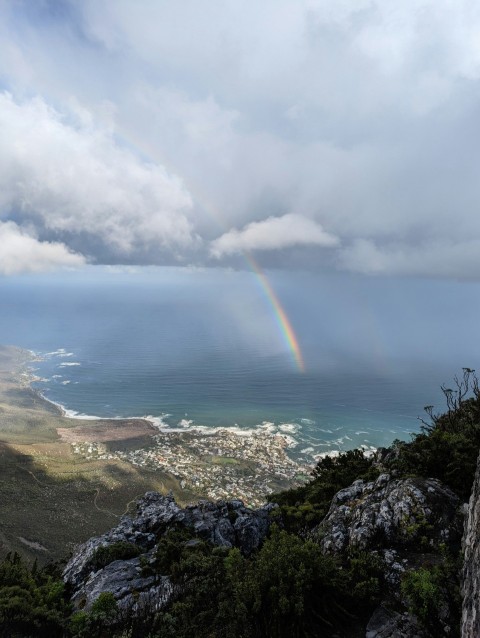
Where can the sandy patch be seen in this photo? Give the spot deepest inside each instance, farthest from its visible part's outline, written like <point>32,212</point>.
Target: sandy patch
<point>103,431</point>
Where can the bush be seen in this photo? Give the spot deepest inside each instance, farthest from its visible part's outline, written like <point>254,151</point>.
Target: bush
<point>32,602</point>
<point>422,591</point>
<point>99,621</point>
<point>448,446</point>
<point>106,554</point>
<point>433,594</point>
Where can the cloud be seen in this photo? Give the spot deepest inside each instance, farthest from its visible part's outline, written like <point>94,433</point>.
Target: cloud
<point>20,252</point>
<point>433,259</point>
<point>70,176</point>
<point>273,233</point>
<point>200,115</point>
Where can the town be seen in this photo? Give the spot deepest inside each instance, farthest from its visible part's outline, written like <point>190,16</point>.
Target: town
<point>218,465</point>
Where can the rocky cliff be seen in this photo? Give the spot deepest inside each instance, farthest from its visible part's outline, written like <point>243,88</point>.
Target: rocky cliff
<point>470,625</point>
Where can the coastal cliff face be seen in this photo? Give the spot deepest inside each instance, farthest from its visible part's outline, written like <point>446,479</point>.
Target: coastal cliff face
<point>470,625</point>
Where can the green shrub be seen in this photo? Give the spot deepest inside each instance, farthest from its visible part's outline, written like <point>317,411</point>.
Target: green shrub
<point>422,591</point>
<point>99,621</point>
<point>447,448</point>
<point>433,592</point>
<point>32,601</point>
<point>106,554</point>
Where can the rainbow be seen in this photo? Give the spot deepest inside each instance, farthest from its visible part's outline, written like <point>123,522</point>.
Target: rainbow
<point>286,329</point>
<point>281,317</point>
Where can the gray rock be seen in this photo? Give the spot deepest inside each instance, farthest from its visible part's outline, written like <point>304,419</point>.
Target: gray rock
<point>225,524</point>
<point>154,513</point>
<point>250,531</point>
<point>395,567</point>
<point>389,513</point>
<point>386,623</point>
<point>470,623</point>
<point>124,579</point>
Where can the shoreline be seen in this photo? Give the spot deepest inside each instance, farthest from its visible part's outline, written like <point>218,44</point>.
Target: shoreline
<point>283,429</point>
<point>157,425</point>
<point>204,462</point>
<point>61,409</point>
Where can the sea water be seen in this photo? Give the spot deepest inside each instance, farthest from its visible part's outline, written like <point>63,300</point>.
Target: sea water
<point>204,348</point>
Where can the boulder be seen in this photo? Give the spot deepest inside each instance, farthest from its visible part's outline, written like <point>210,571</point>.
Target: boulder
<point>125,580</point>
<point>386,623</point>
<point>390,513</point>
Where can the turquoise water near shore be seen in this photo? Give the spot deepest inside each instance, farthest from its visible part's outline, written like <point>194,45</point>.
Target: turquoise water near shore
<point>205,350</point>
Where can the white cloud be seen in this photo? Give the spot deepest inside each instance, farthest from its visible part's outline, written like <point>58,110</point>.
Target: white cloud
<point>69,176</point>
<point>273,233</point>
<point>20,252</point>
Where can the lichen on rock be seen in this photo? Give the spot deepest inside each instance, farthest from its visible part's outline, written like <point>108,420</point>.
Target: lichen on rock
<point>390,513</point>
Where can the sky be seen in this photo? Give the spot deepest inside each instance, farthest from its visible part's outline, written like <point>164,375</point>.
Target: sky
<point>335,136</point>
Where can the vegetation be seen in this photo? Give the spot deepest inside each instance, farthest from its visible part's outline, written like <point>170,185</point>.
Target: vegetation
<point>447,447</point>
<point>288,587</point>
<point>432,593</point>
<point>32,601</point>
<point>97,622</point>
<point>103,556</point>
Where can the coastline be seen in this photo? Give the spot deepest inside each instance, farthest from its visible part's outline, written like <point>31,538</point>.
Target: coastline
<point>281,434</point>
<point>141,388</point>
<point>284,430</point>
<point>213,462</point>
<point>158,425</point>
<point>52,498</point>
<point>28,377</point>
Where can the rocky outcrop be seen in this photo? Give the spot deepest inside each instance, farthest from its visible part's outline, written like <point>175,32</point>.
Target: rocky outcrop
<point>403,522</point>
<point>224,523</point>
<point>125,580</point>
<point>386,623</point>
<point>390,513</point>
<point>470,624</point>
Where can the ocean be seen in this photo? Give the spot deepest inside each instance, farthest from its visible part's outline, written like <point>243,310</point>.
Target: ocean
<point>200,347</point>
